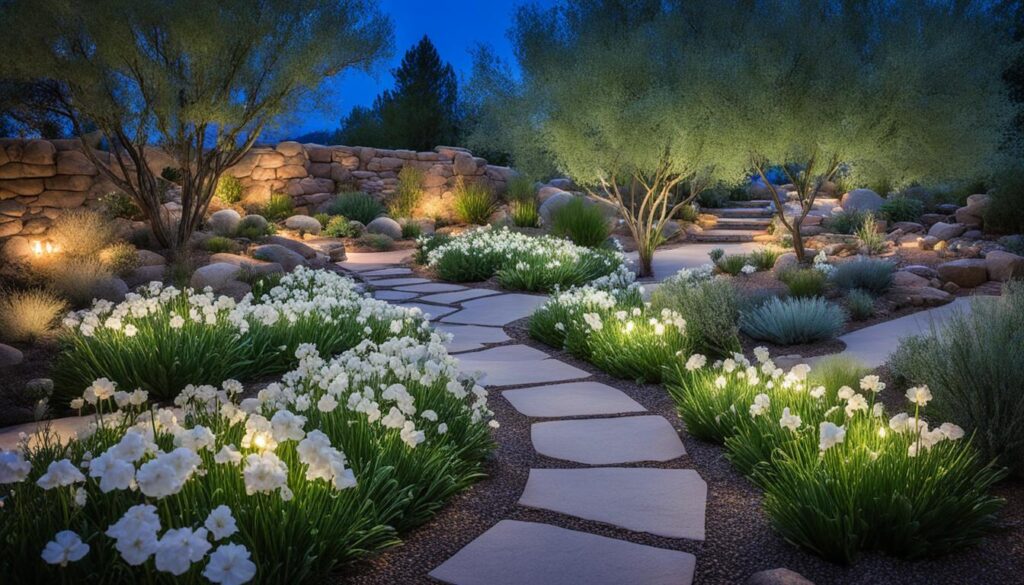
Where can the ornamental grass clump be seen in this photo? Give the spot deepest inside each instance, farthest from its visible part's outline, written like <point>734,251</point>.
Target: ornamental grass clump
<point>29,315</point>
<point>519,261</point>
<point>869,236</point>
<point>408,192</point>
<point>710,306</point>
<point>840,475</point>
<point>860,304</point>
<point>868,274</point>
<point>473,203</point>
<point>313,472</point>
<point>793,321</point>
<point>974,365</point>
<point>163,338</point>
<point>356,205</point>
<point>804,282</point>
<point>582,223</point>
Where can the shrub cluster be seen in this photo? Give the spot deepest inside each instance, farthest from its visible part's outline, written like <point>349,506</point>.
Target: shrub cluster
<point>793,321</point>
<point>582,223</point>
<point>902,208</point>
<point>871,275</point>
<point>229,189</point>
<point>473,203</point>
<point>408,192</point>
<point>710,306</point>
<point>28,315</point>
<point>733,264</point>
<point>357,205</point>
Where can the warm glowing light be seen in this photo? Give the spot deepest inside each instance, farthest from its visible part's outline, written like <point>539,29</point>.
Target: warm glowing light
<point>881,431</point>
<point>260,442</point>
<point>629,326</point>
<point>39,247</point>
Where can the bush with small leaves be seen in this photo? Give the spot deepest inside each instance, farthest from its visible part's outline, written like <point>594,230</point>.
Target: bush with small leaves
<point>901,208</point>
<point>323,218</point>
<point>710,306</point>
<point>804,282</point>
<point>793,321</point>
<point>871,275</point>
<point>860,304</point>
<point>119,205</point>
<point>581,223</point>
<point>229,189</point>
<point>339,227</point>
<point>846,222</point>
<point>278,207</point>
<point>356,205</point>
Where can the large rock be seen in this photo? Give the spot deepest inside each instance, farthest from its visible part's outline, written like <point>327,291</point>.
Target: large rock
<point>386,226</point>
<point>111,289</point>
<point>16,249</point>
<point>10,356</point>
<point>548,191</point>
<point>946,231</point>
<point>215,276</point>
<point>252,265</point>
<point>303,224</point>
<point>464,164</point>
<point>1003,266</point>
<point>918,296</point>
<point>224,222</point>
<point>907,227</point>
<point>785,262</point>
<point>293,245</point>
<point>552,204</point>
<point>290,148</point>
<point>146,275</point>
<point>908,279</point>
<point>255,221</point>
<point>862,200</point>
<point>966,273</point>
<point>286,258</point>
<point>971,215</point>
<point>780,576</point>
<point>921,270</point>
<point>148,258</point>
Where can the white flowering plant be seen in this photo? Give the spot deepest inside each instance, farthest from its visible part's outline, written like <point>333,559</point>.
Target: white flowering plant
<point>162,338</point>
<point>519,261</point>
<point>839,474</point>
<point>316,470</point>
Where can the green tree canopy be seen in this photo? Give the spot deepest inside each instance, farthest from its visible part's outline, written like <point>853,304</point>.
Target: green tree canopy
<point>199,79</point>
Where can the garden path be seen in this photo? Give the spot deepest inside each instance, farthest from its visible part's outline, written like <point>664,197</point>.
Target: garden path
<point>668,261</point>
<point>604,435</point>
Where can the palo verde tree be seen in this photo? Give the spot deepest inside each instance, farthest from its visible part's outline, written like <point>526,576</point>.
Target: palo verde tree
<point>615,94</point>
<point>905,92</point>
<point>200,80</point>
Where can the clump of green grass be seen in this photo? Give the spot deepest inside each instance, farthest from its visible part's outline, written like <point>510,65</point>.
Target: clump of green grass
<point>804,282</point>
<point>473,203</point>
<point>357,205</point>
<point>411,230</point>
<point>764,258</point>
<point>339,226</point>
<point>582,223</point>
<point>874,276</point>
<point>121,258</point>
<point>793,321</point>
<point>220,244</point>
<point>525,213</point>
<point>860,304</point>
<point>408,192</point>
<point>378,242</point>
<point>278,207</point>
<point>869,236</point>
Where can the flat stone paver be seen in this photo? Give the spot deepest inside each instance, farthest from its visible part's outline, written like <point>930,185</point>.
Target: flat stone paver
<point>458,297</point>
<point>497,310</point>
<point>389,282</point>
<point>431,287</point>
<point>511,365</point>
<point>529,553</point>
<point>668,262</point>
<point>393,295</point>
<point>387,272</point>
<point>470,337</point>
<point>572,399</point>
<point>664,502</point>
<point>364,261</point>
<point>435,311</point>
<point>608,441</point>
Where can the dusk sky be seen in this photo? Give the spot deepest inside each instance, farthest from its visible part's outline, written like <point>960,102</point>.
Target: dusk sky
<point>455,27</point>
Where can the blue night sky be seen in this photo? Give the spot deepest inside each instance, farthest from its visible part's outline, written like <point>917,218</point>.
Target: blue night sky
<point>455,27</point>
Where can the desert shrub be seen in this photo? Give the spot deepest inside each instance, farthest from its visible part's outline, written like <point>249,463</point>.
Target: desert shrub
<point>322,218</point>
<point>339,227</point>
<point>473,203</point>
<point>272,468</point>
<point>253,232</point>
<point>120,205</point>
<point>1013,244</point>
<point>804,282</point>
<point>764,258</point>
<point>839,476</point>
<point>121,258</point>
<point>709,305</point>
<point>408,192</point>
<point>714,198</point>
<point>75,279</point>
<point>901,208</point>
<point>836,371</point>
<point>583,224</point>
<point>871,275</point>
<point>688,213</point>
<point>81,232</point>
<point>973,365</point>
<point>733,264</point>
<point>869,235</point>
<point>1005,211</point>
<point>229,190</point>
<point>357,205</point>
<point>525,213</point>
<point>278,207</point>
<point>28,315</point>
<point>378,242</point>
<point>860,304</point>
<point>793,321</point>
<point>411,230</point>
<point>219,244</point>
<point>171,175</point>
<point>846,222</point>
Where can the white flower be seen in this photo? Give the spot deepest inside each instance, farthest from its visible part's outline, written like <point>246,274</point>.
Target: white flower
<point>760,405</point>
<point>81,496</point>
<point>327,403</point>
<point>720,382</point>
<point>845,393</point>
<point>696,362</point>
<point>800,371</point>
<point>196,439</point>
<point>177,322</point>
<point>856,403</point>
<point>442,428</point>
<point>77,404</point>
<point>130,330</point>
<point>789,421</point>
<point>59,474</point>
<point>179,548</point>
<point>829,435</point>
<point>871,383</point>
<point>228,454</point>
<point>951,431</point>
<point>230,565</point>
<point>66,547</point>
<point>761,354</point>
<point>13,467</point>
<point>817,392</point>
<point>286,426</point>
<point>898,423</point>
<point>221,523</point>
<point>878,409</point>
<point>919,395</point>
<point>135,534</point>
<point>100,389</point>
<point>264,473</point>
<point>113,473</point>
<point>748,269</point>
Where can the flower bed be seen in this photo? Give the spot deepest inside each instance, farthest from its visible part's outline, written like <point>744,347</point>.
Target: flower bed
<point>839,475</point>
<point>165,338</point>
<point>519,261</point>
<point>319,469</point>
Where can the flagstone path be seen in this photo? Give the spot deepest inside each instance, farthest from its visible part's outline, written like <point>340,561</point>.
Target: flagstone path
<point>602,434</point>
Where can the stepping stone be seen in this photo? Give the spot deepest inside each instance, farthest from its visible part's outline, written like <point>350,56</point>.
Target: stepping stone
<point>572,399</point>
<point>393,295</point>
<point>608,441</point>
<point>458,297</point>
<point>434,311</point>
<point>511,365</point>
<point>431,287</point>
<point>387,272</point>
<point>363,261</point>
<point>663,502</point>
<point>470,337</point>
<point>497,310</point>
<point>363,268</point>
<point>514,553</point>
<point>398,281</point>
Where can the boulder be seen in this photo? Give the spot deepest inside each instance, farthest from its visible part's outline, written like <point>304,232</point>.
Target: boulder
<point>670,230</point>
<point>39,388</point>
<point>780,576</point>
<point>145,275</point>
<point>16,248</point>
<point>922,271</point>
<point>908,279</point>
<point>946,231</point>
<point>785,262</point>
<point>385,225</point>
<point>110,289</point>
<point>563,183</point>
<point>10,356</point>
<point>277,253</point>
<point>331,247</point>
<point>289,148</point>
<point>1003,266</point>
<point>303,224</point>
<point>356,226</point>
<point>966,273</point>
<point>224,222</point>
<point>148,258</point>
<point>552,204</point>
<point>908,227</point>
<point>918,296</point>
<point>215,276</point>
<point>251,265</point>
<point>464,164</point>
<point>862,200</point>
<point>235,289</point>
<point>74,162</point>
<point>293,245</point>
<point>971,215</point>
<point>547,191</point>
<point>254,221</point>
<point>38,152</point>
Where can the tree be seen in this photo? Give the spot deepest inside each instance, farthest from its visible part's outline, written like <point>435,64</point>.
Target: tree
<point>615,94</point>
<point>201,80</point>
<point>903,92</point>
<point>421,112</point>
